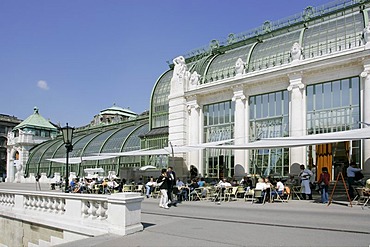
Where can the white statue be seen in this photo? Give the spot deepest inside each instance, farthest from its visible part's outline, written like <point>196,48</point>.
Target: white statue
<point>296,52</point>
<point>180,67</point>
<point>180,76</point>
<point>19,174</point>
<point>366,33</point>
<point>239,67</point>
<point>194,79</point>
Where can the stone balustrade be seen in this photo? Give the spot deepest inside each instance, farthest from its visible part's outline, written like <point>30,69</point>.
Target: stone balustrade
<point>84,214</point>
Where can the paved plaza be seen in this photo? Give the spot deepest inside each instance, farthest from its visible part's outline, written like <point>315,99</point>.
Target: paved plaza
<point>239,223</point>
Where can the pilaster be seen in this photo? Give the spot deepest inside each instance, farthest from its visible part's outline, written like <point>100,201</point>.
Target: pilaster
<point>365,76</point>
<point>193,133</point>
<point>297,116</point>
<point>240,126</point>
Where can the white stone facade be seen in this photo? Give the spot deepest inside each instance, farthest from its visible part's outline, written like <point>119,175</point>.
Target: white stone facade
<point>185,129</point>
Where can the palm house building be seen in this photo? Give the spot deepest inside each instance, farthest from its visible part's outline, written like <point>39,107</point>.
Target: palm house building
<point>302,75</point>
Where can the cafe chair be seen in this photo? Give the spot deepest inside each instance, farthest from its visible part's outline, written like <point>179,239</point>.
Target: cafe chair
<point>240,191</point>
<point>258,195</point>
<point>230,192</point>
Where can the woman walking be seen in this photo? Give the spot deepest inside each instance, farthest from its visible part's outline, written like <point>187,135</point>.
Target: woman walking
<point>162,183</point>
<point>324,184</point>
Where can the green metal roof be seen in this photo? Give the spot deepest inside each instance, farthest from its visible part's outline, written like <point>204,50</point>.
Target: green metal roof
<point>35,121</point>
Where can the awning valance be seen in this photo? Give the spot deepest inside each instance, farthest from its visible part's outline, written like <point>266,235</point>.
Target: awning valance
<point>296,141</point>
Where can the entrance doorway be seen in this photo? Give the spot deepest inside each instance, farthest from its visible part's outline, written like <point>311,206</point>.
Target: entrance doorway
<point>324,158</point>
<point>334,156</point>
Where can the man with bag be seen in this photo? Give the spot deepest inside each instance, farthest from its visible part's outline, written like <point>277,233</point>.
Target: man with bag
<point>351,174</point>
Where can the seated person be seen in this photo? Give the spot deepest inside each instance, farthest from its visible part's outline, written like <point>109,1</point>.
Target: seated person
<point>279,188</point>
<point>75,185</point>
<point>113,185</point>
<point>149,186</point>
<point>261,185</point>
<point>194,184</point>
<point>182,190</point>
<point>201,182</point>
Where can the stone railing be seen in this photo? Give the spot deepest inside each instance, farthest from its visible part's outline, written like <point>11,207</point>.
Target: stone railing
<point>84,214</point>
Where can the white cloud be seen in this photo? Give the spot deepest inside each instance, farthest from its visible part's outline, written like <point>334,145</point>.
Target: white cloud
<point>43,85</point>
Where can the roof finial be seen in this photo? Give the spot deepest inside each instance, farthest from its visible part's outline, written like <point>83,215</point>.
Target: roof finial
<point>36,110</point>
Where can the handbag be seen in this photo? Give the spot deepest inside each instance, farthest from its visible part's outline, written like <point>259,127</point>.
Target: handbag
<point>358,175</point>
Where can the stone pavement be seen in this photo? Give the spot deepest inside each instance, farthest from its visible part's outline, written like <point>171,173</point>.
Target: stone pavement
<point>239,223</point>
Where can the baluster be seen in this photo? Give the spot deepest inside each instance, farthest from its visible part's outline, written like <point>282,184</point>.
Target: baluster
<point>56,205</point>
<point>85,209</point>
<point>61,206</point>
<point>49,204</point>
<point>104,206</point>
<point>38,203</point>
<point>33,202</point>
<point>92,210</point>
<point>43,204</point>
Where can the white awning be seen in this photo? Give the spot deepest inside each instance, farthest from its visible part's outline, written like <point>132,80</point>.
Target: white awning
<point>93,170</point>
<point>77,160</point>
<point>166,150</point>
<point>144,168</point>
<point>349,135</point>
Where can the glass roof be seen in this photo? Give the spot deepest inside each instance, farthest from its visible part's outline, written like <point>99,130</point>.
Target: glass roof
<point>223,66</point>
<point>114,139</point>
<point>342,33</point>
<point>159,101</point>
<point>273,51</point>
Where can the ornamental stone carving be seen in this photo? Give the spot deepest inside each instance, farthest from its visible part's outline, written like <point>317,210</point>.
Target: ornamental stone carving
<point>295,84</point>
<point>180,76</point>
<point>194,80</point>
<point>366,34</point>
<point>179,69</point>
<point>296,52</point>
<point>239,67</point>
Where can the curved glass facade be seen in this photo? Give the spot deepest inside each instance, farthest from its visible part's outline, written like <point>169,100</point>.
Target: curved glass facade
<point>159,101</point>
<point>223,66</point>
<point>114,138</point>
<point>344,32</point>
<point>273,51</point>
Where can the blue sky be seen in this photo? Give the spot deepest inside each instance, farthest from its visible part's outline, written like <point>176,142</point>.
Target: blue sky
<point>74,58</point>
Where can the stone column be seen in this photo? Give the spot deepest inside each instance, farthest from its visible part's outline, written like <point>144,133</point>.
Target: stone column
<point>297,116</point>
<point>193,133</point>
<point>365,75</point>
<point>9,166</point>
<point>239,129</point>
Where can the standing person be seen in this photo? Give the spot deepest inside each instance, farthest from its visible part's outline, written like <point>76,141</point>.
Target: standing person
<point>305,175</point>
<point>171,175</point>
<point>324,184</point>
<point>351,170</point>
<point>162,182</point>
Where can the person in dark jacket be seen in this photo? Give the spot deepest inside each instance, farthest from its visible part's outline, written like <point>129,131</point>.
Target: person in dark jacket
<point>324,184</point>
<point>162,182</point>
<point>171,175</point>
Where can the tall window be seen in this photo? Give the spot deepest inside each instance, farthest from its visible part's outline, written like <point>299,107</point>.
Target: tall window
<point>269,118</point>
<point>218,126</point>
<point>335,106</point>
